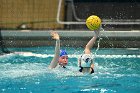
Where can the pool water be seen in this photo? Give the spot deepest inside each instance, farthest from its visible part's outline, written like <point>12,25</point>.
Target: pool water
<point>116,71</point>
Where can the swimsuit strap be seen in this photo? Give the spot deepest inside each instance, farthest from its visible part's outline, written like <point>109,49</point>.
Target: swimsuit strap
<point>92,70</point>
<point>81,68</point>
<point>63,67</point>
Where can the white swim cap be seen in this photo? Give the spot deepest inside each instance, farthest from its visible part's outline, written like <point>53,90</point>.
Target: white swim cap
<point>86,60</point>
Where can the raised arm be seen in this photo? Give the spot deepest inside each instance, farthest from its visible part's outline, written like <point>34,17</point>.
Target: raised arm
<point>91,43</point>
<point>54,61</point>
<point>88,47</point>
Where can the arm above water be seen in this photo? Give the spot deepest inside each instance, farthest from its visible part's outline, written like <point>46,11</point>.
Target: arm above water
<point>91,42</point>
<point>54,61</point>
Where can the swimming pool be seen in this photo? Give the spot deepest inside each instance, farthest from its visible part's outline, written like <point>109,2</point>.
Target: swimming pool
<point>116,71</point>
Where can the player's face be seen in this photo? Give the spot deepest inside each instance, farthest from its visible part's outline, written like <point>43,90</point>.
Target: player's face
<point>63,60</point>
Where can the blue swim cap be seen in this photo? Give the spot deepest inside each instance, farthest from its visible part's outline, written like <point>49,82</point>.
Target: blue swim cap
<point>63,52</point>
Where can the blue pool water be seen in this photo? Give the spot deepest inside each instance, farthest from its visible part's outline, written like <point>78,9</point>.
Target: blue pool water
<point>116,71</point>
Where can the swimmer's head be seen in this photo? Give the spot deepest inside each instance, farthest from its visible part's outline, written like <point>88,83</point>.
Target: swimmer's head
<point>63,59</point>
<point>63,53</point>
<point>86,60</point>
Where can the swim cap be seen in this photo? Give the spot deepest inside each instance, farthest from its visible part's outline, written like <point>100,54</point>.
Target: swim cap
<point>86,60</point>
<point>63,53</point>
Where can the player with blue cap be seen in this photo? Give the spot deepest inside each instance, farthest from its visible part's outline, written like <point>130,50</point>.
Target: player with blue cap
<point>60,58</point>
<point>63,59</point>
<point>85,62</point>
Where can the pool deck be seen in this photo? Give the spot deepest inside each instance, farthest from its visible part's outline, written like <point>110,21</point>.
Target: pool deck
<point>71,37</point>
<point>70,33</point>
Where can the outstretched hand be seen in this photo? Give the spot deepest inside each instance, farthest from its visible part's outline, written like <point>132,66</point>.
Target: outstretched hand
<point>97,32</point>
<point>55,35</point>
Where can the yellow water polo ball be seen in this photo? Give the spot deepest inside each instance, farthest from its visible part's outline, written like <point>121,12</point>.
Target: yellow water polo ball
<point>93,22</point>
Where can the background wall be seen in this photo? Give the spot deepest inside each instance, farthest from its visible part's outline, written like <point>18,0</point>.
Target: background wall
<point>36,14</point>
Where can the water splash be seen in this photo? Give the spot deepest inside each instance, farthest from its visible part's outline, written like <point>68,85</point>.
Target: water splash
<point>12,71</point>
<point>24,54</point>
<point>98,46</point>
<point>101,29</point>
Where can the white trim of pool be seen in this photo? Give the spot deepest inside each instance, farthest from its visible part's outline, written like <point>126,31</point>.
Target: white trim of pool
<point>69,33</point>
